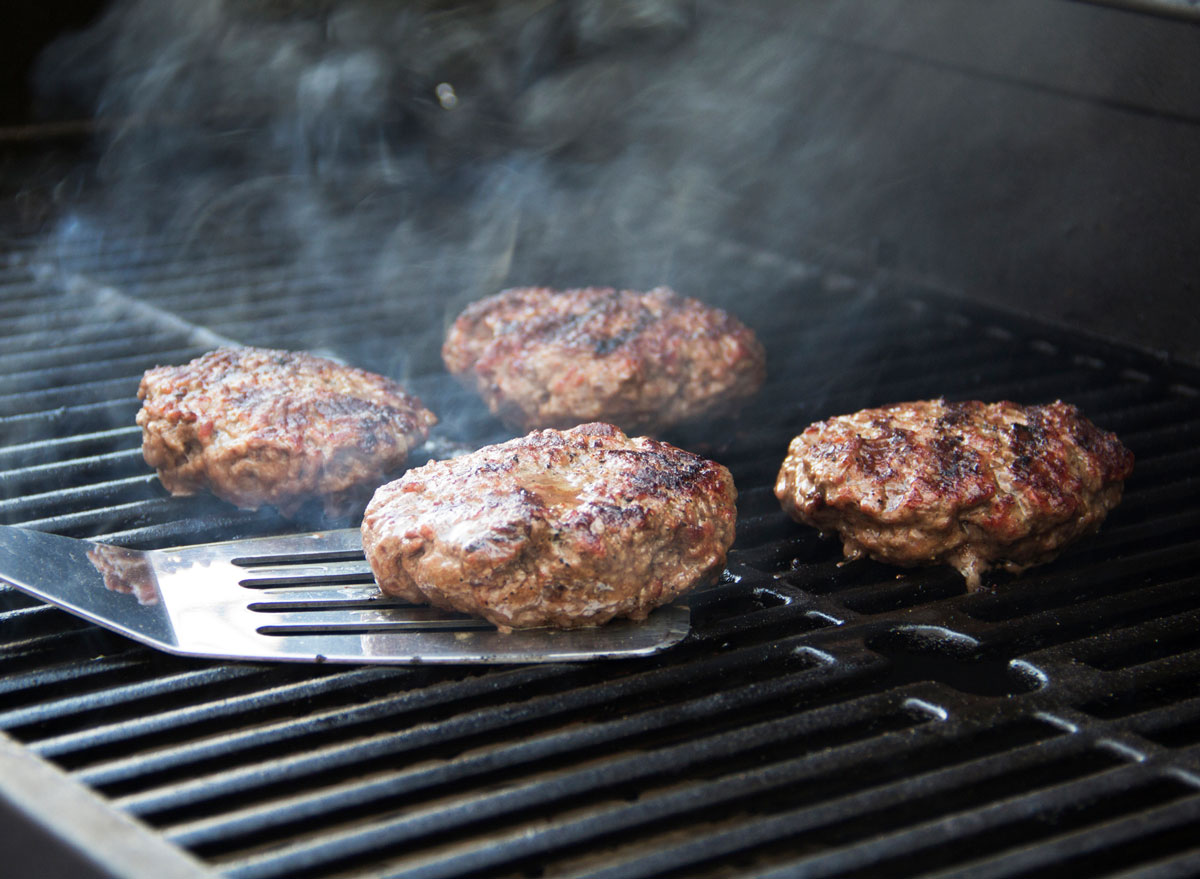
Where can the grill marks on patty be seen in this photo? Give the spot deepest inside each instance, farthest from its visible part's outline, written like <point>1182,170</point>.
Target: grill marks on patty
<point>547,358</point>
<point>970,484</point>
<point>262,426</point>
<point>560,528</point>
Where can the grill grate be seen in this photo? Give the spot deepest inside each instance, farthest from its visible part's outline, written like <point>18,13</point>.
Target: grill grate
<point>823,719</point>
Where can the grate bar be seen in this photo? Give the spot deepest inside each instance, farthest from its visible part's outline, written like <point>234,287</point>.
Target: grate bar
<point>58,708</point>
<point>115,494</point>
<point>541,708</point>
<point>29,451</point>
<point>1060,852</point>
<point>1059,798</point>
<point>1069,626</point>
<point>712,793</point>
<point>1134,643</point>
<point>1171,562</point>
<point>48,324</point>
<point>47,636</point>
<point>63,420</point>
<point>146,764</point>
<point>51,379</point>
<point>43,354</point>
<point>108,390</point>
<point>213,521</point>
<point>73,673</point>
<point>1174,867</point>
<point>581,742</point>
<point>101,522</point>
<point>202,710</point>
<point>78,468</point>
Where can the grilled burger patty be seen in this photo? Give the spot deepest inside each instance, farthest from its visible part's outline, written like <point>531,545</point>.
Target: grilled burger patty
<point>973,485</point>
<point>643,361</point>
<point>259,426</point>
<point>562,528</point>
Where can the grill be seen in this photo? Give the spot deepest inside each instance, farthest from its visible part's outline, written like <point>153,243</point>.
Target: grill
<point>809,167</point>
<point>824,719</point>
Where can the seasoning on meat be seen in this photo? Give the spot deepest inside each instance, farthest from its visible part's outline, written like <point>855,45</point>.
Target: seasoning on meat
<point>972,485</point>
<point>643,361</point>
<point>258,426</point>
<point>557,528</point>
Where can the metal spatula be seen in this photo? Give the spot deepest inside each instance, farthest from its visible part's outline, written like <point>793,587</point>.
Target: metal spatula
<point>302,598</point>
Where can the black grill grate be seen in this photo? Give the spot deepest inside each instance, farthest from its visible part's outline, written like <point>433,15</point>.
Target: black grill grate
<point>823,720</point>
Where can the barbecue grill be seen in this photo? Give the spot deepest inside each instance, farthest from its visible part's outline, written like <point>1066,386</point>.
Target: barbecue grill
<point>823,718</point>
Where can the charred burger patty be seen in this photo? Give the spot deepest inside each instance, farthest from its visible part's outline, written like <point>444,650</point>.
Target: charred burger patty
<point>561,528</point>
<point>258,426</point>
<point>973,485</point>
<point>643,361</point>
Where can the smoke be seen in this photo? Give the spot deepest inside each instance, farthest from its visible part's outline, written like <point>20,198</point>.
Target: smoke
<point>356,94</point>
<point>432,148</point>
<point>437,151</point>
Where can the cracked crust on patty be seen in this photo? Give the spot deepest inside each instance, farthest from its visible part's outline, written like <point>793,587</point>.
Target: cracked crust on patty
<point>643,361</point>
<point>973,485</point>
<point>260,426</point>
<point>557,528</point>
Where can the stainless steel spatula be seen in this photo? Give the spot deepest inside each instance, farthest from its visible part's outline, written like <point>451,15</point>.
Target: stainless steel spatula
<point>301,598</point>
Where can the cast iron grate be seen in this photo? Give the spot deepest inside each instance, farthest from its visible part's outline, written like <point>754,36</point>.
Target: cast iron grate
<point>825,719</point>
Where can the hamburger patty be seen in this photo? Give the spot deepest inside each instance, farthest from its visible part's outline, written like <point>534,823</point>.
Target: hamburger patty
<point>973,485</point>
<point>643,361</point>
<point>257,426</point>
<point>560,528</point>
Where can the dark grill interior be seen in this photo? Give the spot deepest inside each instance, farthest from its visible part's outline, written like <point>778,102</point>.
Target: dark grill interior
<point>823,719</point>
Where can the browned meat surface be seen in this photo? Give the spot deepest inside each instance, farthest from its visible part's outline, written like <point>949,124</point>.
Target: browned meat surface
<point>257,426</point>
<point>559,528</point>
<point>643,361</point>
<point>972,485</point>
